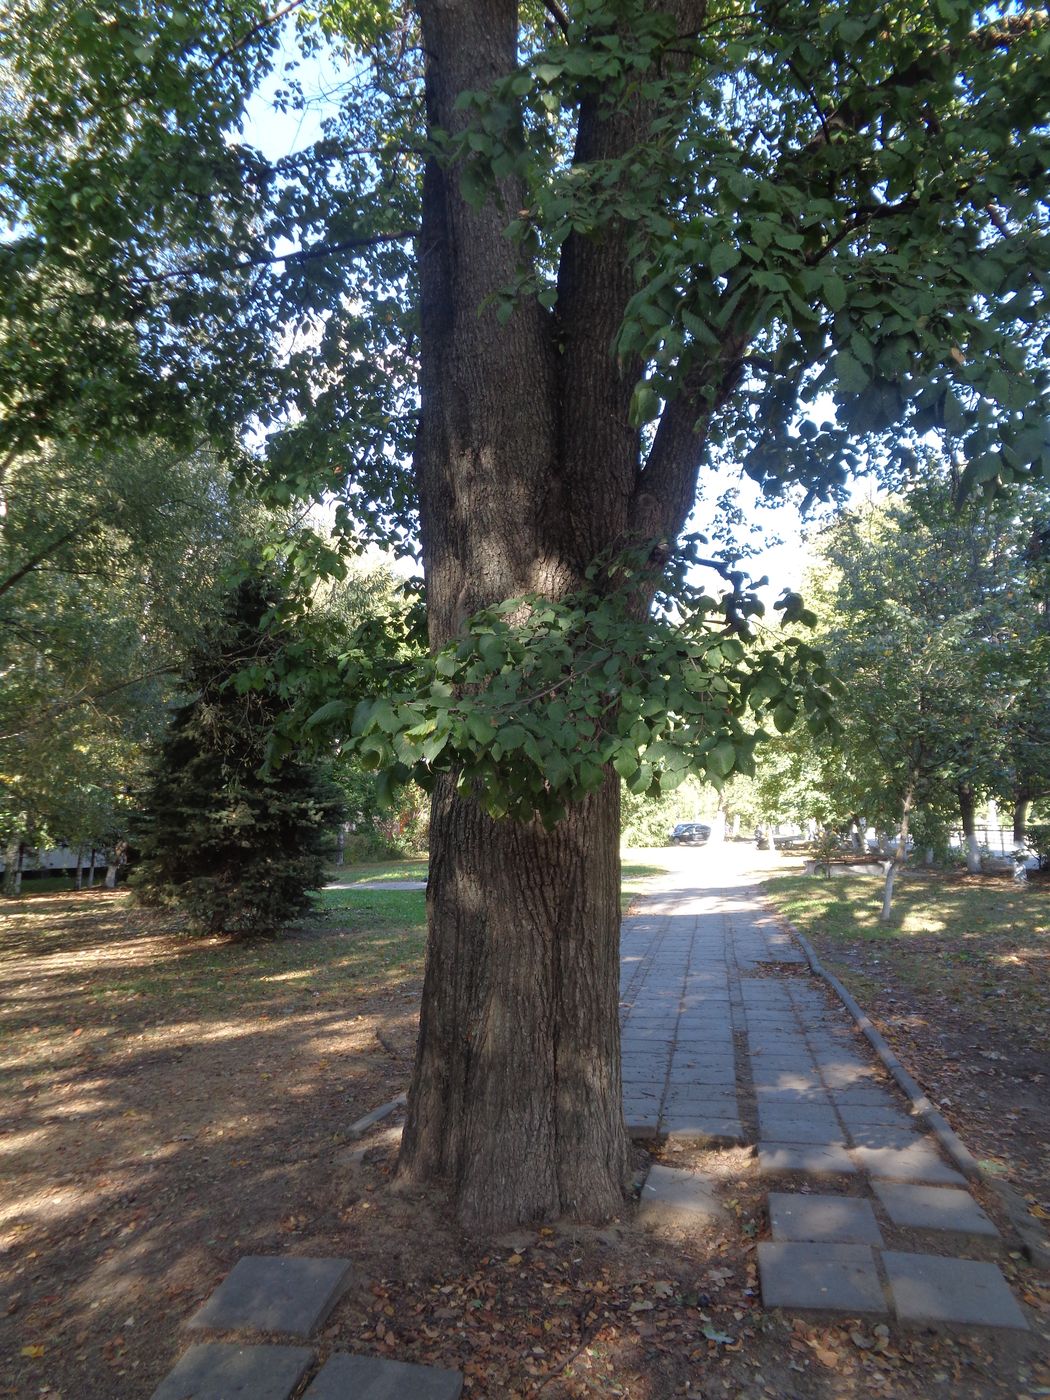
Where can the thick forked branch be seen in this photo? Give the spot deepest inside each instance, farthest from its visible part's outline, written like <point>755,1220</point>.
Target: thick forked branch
<point>598,450</point>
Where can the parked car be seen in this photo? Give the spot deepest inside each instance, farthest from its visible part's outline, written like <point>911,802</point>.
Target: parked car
<point>690,834</point>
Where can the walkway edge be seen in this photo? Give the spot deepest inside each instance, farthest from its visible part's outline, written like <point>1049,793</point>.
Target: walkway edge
<point>1035,1244</point>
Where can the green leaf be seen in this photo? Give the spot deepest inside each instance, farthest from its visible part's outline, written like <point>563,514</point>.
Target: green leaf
<point>723,257</point>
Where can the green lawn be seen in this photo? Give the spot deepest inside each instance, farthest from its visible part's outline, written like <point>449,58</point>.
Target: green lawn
<point>949,937</point>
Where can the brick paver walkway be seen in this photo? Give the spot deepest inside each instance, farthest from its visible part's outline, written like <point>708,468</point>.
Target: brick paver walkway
<point>728,1038</point>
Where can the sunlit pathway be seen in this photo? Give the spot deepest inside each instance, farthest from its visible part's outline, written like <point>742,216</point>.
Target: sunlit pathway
<point>729,1039</point>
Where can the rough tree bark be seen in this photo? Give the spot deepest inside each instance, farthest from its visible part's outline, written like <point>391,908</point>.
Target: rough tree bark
<point>527,469</point>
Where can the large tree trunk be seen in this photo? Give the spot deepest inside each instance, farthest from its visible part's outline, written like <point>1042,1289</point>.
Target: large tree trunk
<point>528,469</point>
<point>968,810</point>
<point>516,1094</point>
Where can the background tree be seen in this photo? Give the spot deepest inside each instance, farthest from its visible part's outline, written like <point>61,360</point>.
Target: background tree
<point>234,844</point>
<point>566,259</point>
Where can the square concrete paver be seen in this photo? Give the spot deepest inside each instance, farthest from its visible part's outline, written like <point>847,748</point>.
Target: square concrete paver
<point>836,1277</point>
<point>882,1135</point>
<point>704,1129</point>
<point>346,1377</point>
<point>274,1294</point>
<point>671,1196</point>
<point>918,1162</point>
<point>835,1219</point>
<point>933,1208</point>
<point>817,1159</point>
<point>218,1371</point>
<point>928,1288</point>
<point>808,1127</point>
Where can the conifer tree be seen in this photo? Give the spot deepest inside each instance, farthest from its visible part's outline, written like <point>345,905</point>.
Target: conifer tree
<point>233,842</point>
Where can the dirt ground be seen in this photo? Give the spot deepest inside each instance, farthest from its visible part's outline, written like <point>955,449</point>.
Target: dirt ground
<point>171,1105</point>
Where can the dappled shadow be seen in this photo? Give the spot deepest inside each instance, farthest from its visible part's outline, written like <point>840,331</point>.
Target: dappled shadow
<point>171,1104</point>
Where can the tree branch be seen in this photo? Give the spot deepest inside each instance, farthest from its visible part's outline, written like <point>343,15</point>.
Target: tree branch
<point>560,18</point>
<point>36,559</point>
<point>300,255</point>
<point>266,22</point>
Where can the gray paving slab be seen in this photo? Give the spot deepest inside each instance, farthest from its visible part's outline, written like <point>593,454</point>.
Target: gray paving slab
<point>880,1135</point>
<point>865,1096</point>
<point>787,1130</point>
<point>346,1377</point>
<point>832,1277</point>
<point>220,1371</point>
<point>917,1163</point>
<point>832,1219</point>
<point>702,1129</point>
<point>671,1196</point>
<point>770,1094</point>
<point>781,1059</point>
<point>802,1080</point>
<point>274,1294</point>
<point>928,1289</point>
<point>817,1159</point>
<point>867,1115</point>
<point>703,1074</point>
<point>680,1095</point>
<point>933,1208</point>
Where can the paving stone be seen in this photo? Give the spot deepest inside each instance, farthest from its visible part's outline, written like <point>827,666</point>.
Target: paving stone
<point>928,1288</point>
<point>866,1096</point>
<point>916,1163</point>
<point>838,1219</point>
<point>881,1135</point>
<point>274,1294</point>
<point>835,1277</point>
<point>765,1078</point>
<point>689,1095</point>
<point>821,1159</point>
<point>703,1074</point>
<point>711,1130</point>
<point>345,1377</point>
<point>790,1130</point>
<point>796,1061</point>
<point>219,1371</point>
<point>933,1208</point>
<point>642,1126</point>
<point>671,1196</point>
<point>771,1094</point>
<point>866,1116</point>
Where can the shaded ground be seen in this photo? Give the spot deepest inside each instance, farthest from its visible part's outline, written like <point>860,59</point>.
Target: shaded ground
<point>174,1104</point>
<point>959,984</point>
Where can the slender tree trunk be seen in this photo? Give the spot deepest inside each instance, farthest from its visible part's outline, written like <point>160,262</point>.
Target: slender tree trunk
<point>78,880</point>
<point>340,848</point>
<point>899,858</point>
<point>968,810</point>
<point>91,870</point>
<point>1022,807</point>
<point>13,867</point>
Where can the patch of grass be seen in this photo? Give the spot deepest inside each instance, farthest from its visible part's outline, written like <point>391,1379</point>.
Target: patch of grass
<point>373,909</point>
<point>53,884</point>
<point>947,937</point>
<point>380,870</point>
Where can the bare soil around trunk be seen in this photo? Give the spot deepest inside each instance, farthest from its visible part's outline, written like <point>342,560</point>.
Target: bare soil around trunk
<point>172,1104</point>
